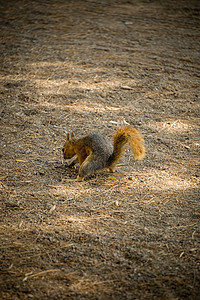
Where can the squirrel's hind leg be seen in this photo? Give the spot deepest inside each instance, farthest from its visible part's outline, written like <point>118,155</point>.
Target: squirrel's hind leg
<point>90,165</point>
<point>111,169</point>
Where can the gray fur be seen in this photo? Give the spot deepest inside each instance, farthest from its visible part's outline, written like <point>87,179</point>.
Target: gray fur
<point>102,150</point>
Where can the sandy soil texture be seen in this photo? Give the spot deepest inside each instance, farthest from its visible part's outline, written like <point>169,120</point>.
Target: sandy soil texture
<point>86,66</point>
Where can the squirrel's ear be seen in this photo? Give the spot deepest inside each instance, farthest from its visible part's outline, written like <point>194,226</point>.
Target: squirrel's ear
<point>68,137</point>
<point>72,135</point>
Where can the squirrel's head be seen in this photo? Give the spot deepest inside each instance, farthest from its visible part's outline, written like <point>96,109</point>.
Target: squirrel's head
<point>68,150</point>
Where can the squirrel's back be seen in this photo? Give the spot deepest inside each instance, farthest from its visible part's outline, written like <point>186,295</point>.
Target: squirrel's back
<point>99,144</point>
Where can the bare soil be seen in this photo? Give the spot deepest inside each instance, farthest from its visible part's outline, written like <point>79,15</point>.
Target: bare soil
<point>86,66</point>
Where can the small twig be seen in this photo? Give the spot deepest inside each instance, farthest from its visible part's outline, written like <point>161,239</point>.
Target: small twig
<point>39,273</point>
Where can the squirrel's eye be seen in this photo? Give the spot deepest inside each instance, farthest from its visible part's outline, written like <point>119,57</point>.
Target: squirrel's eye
<point>63,150</point>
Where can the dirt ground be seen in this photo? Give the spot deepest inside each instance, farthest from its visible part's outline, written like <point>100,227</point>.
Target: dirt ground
<point>86,66</point>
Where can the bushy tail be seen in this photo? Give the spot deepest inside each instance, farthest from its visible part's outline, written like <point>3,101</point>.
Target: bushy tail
<point>136,142</point>
<point>133,138</point>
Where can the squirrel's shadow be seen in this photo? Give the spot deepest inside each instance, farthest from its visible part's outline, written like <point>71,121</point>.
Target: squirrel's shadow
<point>66,171</point>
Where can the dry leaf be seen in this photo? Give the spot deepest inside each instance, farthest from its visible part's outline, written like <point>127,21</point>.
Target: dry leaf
<point>117,203</point>
<point>112,178</point>
<point>52,209</point>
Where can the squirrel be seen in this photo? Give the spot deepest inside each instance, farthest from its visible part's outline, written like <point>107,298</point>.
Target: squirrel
<point>95,151</point>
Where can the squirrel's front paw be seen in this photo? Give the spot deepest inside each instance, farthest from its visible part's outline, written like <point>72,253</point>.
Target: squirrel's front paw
<point>71,165</point>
